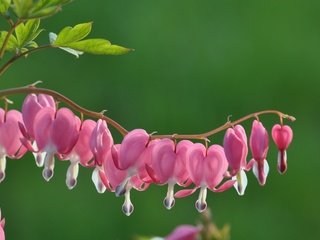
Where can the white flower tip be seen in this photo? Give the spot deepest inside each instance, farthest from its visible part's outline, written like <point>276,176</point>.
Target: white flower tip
<point>71,183</point>
<point>39,159</point>
<point>127,208</point>
<point>201,206</point>
<point>241,182</point>
<point>2,176</point>
<point>47,174</point>
<point>97,181</point>
<point>120,190</point>
<point>169,202</point>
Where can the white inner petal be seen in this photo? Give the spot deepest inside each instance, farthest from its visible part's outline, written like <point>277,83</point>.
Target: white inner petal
<point>3,163</point>
<point>97,180</point>
<point>72,173</point>
<point>241,182</point>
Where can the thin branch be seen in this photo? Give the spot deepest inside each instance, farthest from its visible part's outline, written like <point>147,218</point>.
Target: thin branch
<point>98,115</point>
<point>5,67</point>
<point>62,98</point>
<point>5,42</point>
<point>203,136</point>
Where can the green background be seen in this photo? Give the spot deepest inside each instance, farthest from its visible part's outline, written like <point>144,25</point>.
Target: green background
<point>195,63</point>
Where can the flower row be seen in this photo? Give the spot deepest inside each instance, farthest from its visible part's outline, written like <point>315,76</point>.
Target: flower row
<point>138,161</point>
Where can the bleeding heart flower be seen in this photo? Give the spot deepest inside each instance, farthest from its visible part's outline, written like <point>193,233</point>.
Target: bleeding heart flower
<point>31,106</point>
<point>168,166</point>
<point>55,133</point>
<point>259,144</point>
<point>206,168</point>
<point>132,156</point>
<point>236,150</point>
<point>100,144</point>
<point>282,136</point>
<point>114,177</point>
<point>10,135</point>
<point>81,153</point>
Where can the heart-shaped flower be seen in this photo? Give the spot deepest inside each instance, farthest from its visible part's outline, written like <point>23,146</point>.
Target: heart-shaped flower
<point>282,136</point>
<point>10,135</point>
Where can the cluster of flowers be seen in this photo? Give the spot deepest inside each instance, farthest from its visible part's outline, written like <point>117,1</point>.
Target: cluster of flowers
<point>139,160</point>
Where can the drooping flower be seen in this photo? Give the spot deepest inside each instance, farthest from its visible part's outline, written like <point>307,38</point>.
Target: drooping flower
<point>114,177</point>
<point>2,223</point>
<point>259,145</point>
<point>168,166</point>
<point>236,150</point>
<point>10,135</point>
<point>81,153</point>
<point>130,157</point>
<point>31,106</point>
<point>100,144</point>
<point>282,136</point>
<point>55,133</point>
<point>206,168</point>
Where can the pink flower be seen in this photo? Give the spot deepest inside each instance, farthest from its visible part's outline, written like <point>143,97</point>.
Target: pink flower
<point>10,135</point>
<point>259,144</point>
<point>184,232</point>
<point>100,144</point>
<point>206,168</point>
<point>31,106</point>
<point>55,133</point>
<point>81,153</point>
<point>132,156</point>
<point>2,223</point>
<point>114,177</point>
<point>282,136</point>
<point>168,166</point>
<point>236,150</point>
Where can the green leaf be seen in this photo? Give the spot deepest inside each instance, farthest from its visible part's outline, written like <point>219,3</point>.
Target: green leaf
<point>4,5</point>
<point>29,9</point>
<point>98,46</point>
<point>22,7</point>
<point>27,32</point>
<point>12,44</point>
<point>72,34</point>
<point>45,8</point>
<point>71,40</point>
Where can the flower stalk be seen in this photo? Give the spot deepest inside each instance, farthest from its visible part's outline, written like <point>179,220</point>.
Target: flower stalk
<point>99,115</point>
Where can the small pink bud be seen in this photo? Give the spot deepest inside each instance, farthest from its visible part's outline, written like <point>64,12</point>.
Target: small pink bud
<point>236,150</point>
<point>259,144</point>
<point>282,136</point>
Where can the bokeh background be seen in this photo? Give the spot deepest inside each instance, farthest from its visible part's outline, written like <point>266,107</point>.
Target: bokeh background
<point>196,62</point>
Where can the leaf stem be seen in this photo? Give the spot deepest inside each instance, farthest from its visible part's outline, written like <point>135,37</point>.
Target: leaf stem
<point>5,67</point>
<point>5,42</point>
<point>99,115</point>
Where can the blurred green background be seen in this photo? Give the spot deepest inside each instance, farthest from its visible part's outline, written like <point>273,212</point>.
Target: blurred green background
<point>195,63</point>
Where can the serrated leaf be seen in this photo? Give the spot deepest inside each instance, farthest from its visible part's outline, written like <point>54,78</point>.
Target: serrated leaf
<point>72,34</point>
<point>98,46</point>
<point>22,7</point>
<point>4,5</point>
<point>12,43</point>
<point>27,32</point>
